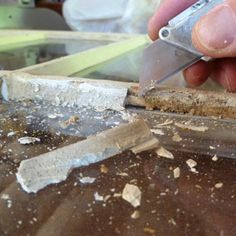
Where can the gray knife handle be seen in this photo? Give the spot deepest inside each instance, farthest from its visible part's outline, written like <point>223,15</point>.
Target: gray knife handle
<point>178,32</point>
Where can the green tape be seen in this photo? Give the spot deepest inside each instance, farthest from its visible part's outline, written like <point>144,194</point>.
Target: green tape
<point>72,64</point>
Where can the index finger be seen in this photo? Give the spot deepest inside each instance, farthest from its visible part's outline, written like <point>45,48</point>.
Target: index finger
<point>168,10</point>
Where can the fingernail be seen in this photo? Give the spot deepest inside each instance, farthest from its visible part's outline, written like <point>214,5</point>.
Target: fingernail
<point>217,30</point>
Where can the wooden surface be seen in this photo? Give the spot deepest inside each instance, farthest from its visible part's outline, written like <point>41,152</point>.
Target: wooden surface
<point>189,205</point>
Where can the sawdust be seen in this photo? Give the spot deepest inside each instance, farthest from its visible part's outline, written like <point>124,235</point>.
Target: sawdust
<point>149,230</point>
<point>103,169</point>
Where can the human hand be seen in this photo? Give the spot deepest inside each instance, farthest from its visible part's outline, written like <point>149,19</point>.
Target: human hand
<point>214,35</point>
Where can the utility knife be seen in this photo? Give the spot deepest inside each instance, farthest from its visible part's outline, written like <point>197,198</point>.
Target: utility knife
<point>174,50</point>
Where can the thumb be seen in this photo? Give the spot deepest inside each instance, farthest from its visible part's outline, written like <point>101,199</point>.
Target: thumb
<point>215,33</point>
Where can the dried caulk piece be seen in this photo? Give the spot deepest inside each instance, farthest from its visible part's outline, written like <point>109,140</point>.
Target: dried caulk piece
<point>176,138</point>
<point>219,185</point>
<point>192,164</point>
<point>158,131</point>
<point>191,127</point>
<point>28,140</point>
<point>132,194</point>
<point>98,197</point>
<point>99,95</point>
<point>53,167</point>
<point>87,180</point>
<point>164,153</point>
<point>148,145</point>
<point>12,133</point>
<point>135,215</point>
<point>176,172</point>
<point>214,158</point>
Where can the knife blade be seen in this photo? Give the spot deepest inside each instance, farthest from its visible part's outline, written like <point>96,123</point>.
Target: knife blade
<point>162,61</point>
<point>174,51</point>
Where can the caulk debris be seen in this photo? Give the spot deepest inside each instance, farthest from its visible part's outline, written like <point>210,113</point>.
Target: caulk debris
<point>164,153</point>
<point>28,140</point>
<point>132,194</point>
<point>53,167</point>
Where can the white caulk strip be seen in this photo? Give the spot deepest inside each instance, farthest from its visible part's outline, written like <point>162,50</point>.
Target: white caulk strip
<point>53,167</point>
<point>100,95</point>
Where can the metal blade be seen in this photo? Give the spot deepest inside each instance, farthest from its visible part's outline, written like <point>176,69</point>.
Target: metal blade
<point>162,60</point>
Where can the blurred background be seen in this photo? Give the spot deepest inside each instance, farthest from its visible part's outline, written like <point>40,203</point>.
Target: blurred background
<point>122,16</point>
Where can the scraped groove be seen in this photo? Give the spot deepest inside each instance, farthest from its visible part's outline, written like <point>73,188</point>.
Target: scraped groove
<point>192,101</point>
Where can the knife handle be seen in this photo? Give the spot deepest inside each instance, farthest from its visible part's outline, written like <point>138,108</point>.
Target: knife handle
<point>178,32</point>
